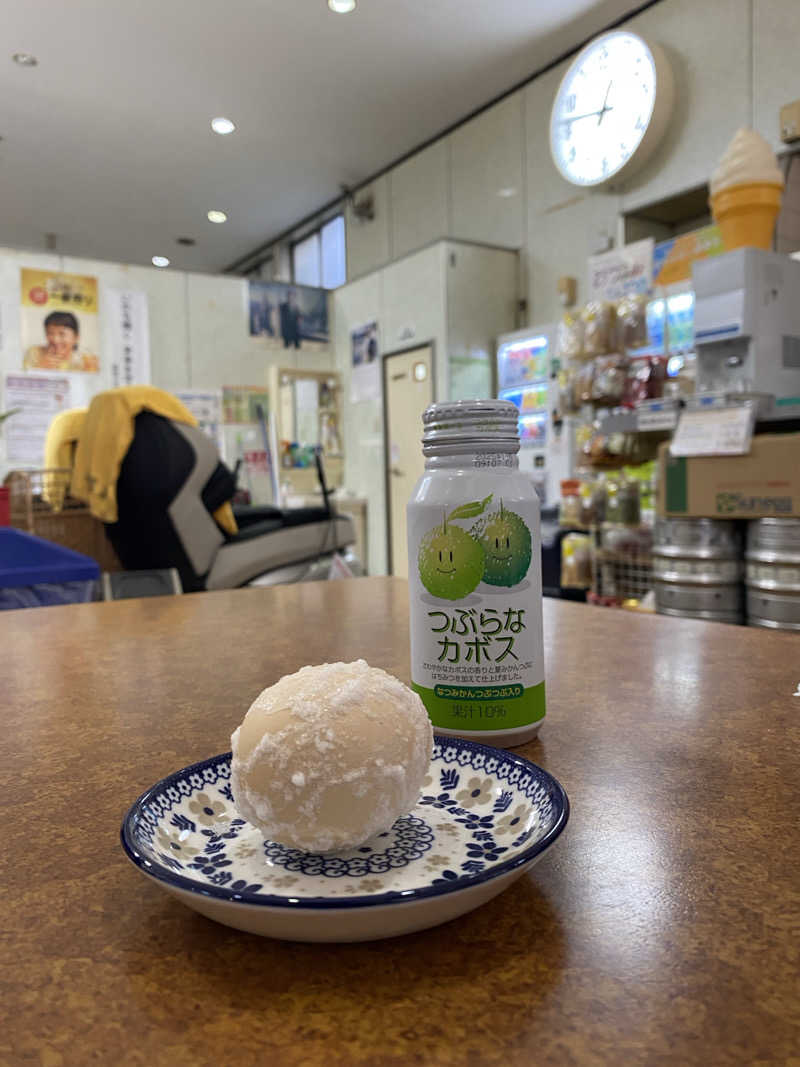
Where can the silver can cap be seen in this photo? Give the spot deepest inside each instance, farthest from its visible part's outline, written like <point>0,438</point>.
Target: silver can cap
<point>463,425</point>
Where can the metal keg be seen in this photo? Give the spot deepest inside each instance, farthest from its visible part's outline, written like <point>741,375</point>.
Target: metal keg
<point>733,617</point>
<point>772,573</point>
<point>681,597</point>
<point>780,536</point>
<point>697,538</point>
<point>697,569</point>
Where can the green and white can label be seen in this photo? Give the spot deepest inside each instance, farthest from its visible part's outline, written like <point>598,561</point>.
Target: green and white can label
<point>477,656</point>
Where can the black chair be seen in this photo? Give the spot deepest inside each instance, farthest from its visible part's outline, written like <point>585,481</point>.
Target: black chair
<point>172,481</point>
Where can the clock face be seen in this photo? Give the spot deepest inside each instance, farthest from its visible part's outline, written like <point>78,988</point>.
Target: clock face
<point>603,108</point>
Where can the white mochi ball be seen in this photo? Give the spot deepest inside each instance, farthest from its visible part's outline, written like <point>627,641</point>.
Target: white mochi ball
<point>331,755</point>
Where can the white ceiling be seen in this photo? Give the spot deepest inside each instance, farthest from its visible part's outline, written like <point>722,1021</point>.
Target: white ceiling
<point>107,144</point>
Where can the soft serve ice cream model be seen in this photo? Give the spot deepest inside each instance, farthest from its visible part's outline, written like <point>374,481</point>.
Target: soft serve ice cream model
<point>746,192</point>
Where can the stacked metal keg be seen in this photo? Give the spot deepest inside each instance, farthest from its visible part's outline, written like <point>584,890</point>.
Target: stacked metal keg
<point>697,569</point>
<point>773,573</point>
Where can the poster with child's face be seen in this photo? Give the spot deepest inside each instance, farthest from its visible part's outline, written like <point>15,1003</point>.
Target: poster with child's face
<point>59,327</point>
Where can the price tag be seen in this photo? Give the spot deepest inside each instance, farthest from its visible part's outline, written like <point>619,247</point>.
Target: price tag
<point>713,432</point>
<point>656,419</point>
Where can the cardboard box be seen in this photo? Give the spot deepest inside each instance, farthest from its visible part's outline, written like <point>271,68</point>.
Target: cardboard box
<point>765,482</point>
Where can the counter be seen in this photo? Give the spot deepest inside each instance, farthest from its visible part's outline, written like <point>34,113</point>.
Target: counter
<point>660,929</point>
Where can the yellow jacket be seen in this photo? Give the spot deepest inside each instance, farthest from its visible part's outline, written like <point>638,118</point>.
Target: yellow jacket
<point>106,437</point>
<point>62,438</point>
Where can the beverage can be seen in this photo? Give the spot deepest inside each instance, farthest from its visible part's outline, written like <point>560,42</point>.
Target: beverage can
<point>475,587</point>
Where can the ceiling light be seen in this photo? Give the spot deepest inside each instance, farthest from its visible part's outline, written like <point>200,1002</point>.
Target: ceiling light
<point>217,216</point>
<point>222,126</point>
<point>160,261</point>
<point>342,7</point>
<point>507,191</point>
<point>25,59</point>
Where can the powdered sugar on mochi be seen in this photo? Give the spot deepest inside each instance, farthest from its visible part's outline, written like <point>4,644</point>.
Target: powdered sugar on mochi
<point>331,755</point>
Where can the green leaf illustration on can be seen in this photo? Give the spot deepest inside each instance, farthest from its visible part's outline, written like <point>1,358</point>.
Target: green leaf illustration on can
<point>506,542</point>
<point>471,510</point>
<point>450,562</point>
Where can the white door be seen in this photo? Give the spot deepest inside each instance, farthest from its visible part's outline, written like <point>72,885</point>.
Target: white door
<point>409,390</point>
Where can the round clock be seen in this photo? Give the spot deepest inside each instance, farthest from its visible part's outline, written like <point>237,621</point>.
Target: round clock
<point>611,109</point>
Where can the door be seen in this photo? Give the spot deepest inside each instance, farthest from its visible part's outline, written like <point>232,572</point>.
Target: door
<point>408,378</point>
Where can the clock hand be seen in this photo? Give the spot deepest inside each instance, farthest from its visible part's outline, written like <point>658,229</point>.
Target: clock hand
<point>604,108</point>
<point>588,115</point>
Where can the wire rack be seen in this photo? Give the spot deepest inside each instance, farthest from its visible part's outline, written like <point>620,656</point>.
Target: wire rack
<point>41,504</point>
<point>622,563</point>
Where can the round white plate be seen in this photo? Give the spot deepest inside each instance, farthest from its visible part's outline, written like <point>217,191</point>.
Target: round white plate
<point>485,817</point>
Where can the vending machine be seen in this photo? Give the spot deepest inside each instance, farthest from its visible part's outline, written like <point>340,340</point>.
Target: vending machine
<point>527,376</point>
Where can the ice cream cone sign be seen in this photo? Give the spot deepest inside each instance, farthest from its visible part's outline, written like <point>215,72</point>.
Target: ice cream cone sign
<point>746,192</point>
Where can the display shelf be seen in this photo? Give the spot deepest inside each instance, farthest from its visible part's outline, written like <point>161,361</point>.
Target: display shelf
<point>653,416</point>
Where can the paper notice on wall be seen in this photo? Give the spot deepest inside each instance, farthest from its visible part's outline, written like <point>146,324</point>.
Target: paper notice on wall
<point>622,272</point>
<point>129,332</point>
<point>206,406</point>
<point>365,382</point>
<point>38,399</point>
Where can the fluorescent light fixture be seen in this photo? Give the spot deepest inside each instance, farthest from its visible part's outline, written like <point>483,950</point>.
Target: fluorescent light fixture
<point>217,216</point>
<point>222,125</point>
<point>342,7</point>
<point>534,341</point>
<point>25,59</point>
<point>160,261</point>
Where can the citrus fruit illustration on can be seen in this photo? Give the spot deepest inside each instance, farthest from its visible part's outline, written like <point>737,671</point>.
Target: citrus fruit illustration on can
<point>506,543</point>
<point>450,561</point>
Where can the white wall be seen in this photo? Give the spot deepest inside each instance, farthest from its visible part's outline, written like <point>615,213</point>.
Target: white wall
<point>198,327</point>
<point>735,63</point>
<point>369,242</point>
<point>355,305</point>
<point>480,290</point>
<point>419,201</point>
<point>487,184</point>
<point>776,35</point>
<point>457,297</point>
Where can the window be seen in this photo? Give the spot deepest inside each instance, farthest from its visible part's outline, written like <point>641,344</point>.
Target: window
<point>306,261</point>
<point>334,261</point>
<point>320,259</point>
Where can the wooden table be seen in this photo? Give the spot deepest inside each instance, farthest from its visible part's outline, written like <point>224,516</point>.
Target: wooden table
<point>661,929</point>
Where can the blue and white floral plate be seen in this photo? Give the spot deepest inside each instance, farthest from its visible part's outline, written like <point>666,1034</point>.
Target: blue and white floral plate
<point>485,817</point>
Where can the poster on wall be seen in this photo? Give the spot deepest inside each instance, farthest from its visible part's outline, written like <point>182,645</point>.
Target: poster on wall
<point>289,316</point>
<point>622,271</point>
<point>126,313</point>
<point>37,398</point>
<point>206,406</point>
<point>364,344</point>
<point>58,321</point>
<point>365,371</point>
<point>673,258</point>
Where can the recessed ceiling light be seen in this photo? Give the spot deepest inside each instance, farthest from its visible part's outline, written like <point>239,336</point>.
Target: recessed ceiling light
<point>160,261</point>
<point>507,191</point>
<point>25,59</point>
<point>217,216</point>
<point>222,126</point>
<point>342,7</point>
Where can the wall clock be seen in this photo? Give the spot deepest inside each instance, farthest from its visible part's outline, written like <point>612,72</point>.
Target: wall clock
<point>611,109</point>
